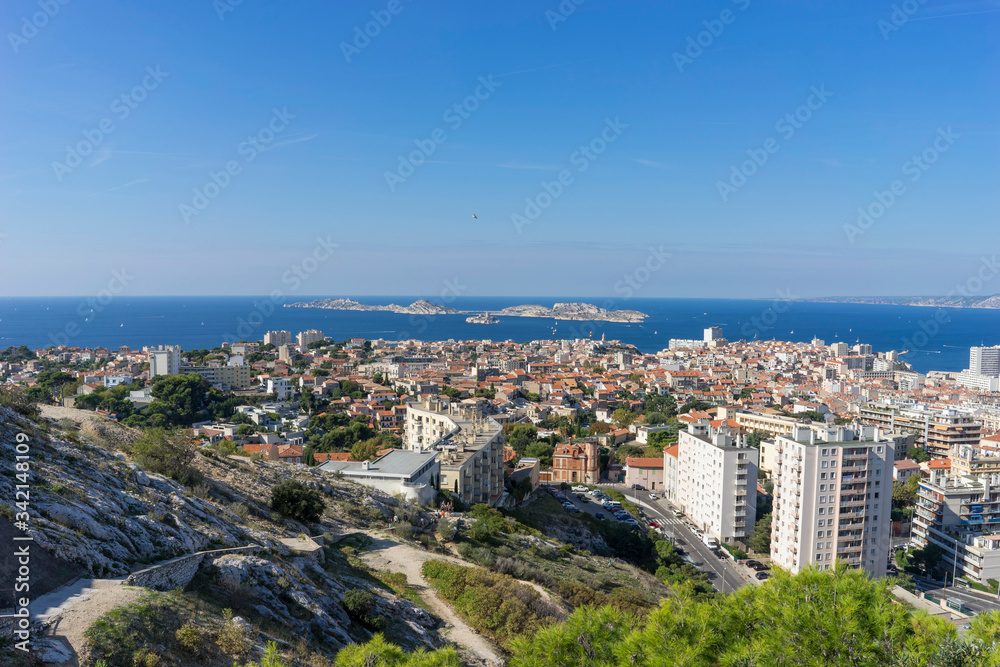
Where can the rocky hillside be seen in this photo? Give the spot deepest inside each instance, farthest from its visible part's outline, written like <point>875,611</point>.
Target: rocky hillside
<point>95,513</point>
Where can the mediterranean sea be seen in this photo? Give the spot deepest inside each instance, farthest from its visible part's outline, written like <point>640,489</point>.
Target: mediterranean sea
<point>937,339</point>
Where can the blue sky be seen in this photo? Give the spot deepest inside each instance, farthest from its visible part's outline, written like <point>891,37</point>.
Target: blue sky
<point>556,79</point>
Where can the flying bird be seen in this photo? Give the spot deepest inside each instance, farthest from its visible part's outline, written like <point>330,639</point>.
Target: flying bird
<point>475,216</point>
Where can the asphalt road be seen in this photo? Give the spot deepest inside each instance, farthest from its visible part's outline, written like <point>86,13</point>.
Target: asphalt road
<point>722,572</point>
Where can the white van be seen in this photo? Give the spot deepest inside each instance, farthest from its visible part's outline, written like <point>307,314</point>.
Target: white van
<point>580,489</point>
<point>613,503</point>
<point>710,540</point>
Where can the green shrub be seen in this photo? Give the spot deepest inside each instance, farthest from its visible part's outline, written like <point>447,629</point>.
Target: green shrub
<point>158,453</point>
<point>18,401</point>
<point>295,500</point>
<point>235,639</point>
<point>360,605</point>
<point>191,638</point>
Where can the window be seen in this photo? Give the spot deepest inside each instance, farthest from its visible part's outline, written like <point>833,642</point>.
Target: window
<point>829,533</point>
<point>822,522</point>
<point>822,499</point>
<point>826,452</point>
<point>819,556</point>
<point>822,487</point>
<point>822,475</point>
<point>821,510</point>
<point>878,449</point>
<point>824,464</point>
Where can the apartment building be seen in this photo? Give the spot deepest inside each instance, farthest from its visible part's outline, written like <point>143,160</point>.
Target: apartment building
<point>670,474</point>
<point>470,446</point>
<point>165,360</point>
<point>717,480</point>
<point>937,430</point>
<point>832,499</point>
<point>960,514</point>
<point>278,338</point>
<point>310,336</point>
<point>985,360</point>
<point>226,377</point>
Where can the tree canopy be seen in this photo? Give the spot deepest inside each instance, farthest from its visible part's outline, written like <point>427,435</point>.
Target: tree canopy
<point>813,619</point>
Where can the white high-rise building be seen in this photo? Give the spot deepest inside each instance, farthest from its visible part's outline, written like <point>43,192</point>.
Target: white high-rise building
<point>832,499</point>
<point>278,338</point>
<point>310,336</point>
<point>717,481</point>
<point>166,360</point>
<point>985,360</point>
<point>713,333</point>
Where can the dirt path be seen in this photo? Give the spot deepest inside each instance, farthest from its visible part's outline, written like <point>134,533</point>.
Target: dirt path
<point>78,606</point>
<point>387,554</point>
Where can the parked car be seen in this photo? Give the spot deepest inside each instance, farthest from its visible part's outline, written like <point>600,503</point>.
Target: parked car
<point>762,575</point>
<point>653,496</point>
<point>751,563</point>
<point>637,487</point>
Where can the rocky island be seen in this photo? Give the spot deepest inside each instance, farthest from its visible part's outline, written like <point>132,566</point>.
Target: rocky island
<point>561,311</point>
<point>419,307</point>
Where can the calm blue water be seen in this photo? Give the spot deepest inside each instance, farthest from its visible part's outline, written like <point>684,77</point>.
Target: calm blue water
<point>207,321</point>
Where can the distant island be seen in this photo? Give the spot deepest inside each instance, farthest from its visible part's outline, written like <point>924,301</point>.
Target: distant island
<point>561,311</point>
<point>932,301</point>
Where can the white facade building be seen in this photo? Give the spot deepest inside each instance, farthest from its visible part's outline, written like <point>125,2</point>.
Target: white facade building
<point>278,338</point>
<point>985,360</point>
<point>717,481</point>
<point>832,500</point>
<point>310,336</point>
<point>165,360</point>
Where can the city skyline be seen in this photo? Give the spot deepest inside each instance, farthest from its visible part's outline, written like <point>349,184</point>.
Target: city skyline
<point>840,149</point>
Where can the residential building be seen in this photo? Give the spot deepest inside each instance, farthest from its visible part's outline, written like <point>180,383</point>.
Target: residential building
<point>717,480</point>
<point>278,338</point>
<point>972,380</point>
<point>527,468</point>
<point>286,353</point>
<point>576,462</point>
<point>310,336</point>
<point>959,514</point>
<point>165,360</point>
<point>937,430</point>
<point>225,377</point>
<point>416,475</point>
<point>904,469</point>
<point>470,444</point>
<point>985,360</point>
<point>280,387</point>
<point>832,499</point>
<point>670,474</point>
<point>646,472</point>
<point>713,333</point>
